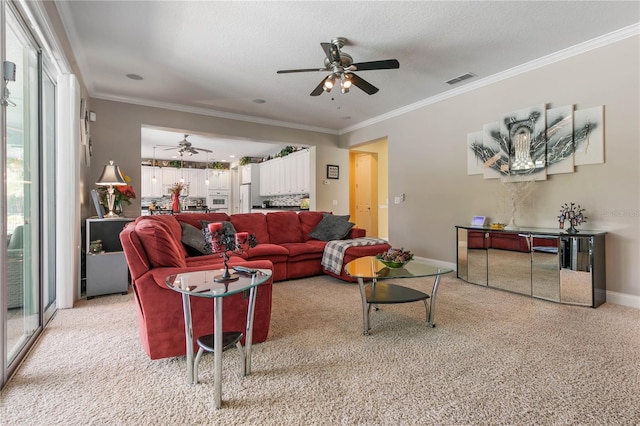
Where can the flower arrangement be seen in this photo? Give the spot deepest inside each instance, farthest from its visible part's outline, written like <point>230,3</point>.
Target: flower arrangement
<point>122,193</point>
<point>395,258</point>
<point>572,213</point>
<point>176,188</point>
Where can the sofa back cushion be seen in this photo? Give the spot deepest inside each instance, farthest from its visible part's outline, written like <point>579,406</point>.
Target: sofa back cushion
<point>194,219</point>
<point>284,227</point>
<point>162,249</point>
<point>174,228</point>
<point>308,222</point>
<point>253,223</point>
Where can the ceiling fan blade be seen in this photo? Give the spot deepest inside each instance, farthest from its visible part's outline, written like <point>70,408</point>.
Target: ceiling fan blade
<point>387,64</point>
<point>169,149</point>
<point>366,87</point>
<point>202,149</point>
<point>319,88</point>
<point>332,52</point>
<point>301,70</point>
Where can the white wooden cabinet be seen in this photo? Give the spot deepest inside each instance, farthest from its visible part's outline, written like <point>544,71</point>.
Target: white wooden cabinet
<point>300,172</point>
<point>148,187</point>
<point>219,179</point>
<point>286,175</point>
<point>196,178</point>
<point>245,173</point>
<point>169,177</point>
<point>266,178</point>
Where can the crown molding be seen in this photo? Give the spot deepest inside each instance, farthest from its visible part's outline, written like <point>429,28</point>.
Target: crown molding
<point>214,113</point>
<point>607,39</point>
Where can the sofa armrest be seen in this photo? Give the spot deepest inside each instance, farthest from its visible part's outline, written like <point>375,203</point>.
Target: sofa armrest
<point>357,233</point>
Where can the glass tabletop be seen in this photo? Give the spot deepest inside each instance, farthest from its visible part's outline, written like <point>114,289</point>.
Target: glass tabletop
<point>202,284</point>
<point>370,267</point>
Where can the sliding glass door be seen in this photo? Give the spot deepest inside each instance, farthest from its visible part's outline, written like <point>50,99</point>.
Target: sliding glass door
<point>28,214</point>
<point>22,189</point>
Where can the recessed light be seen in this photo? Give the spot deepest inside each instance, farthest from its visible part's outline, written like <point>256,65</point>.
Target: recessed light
<point>134,76</point>
<point>232,156</point>
<point>259,101</point>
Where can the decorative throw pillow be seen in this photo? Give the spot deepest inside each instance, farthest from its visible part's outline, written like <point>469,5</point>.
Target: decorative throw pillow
<point>194,240</point>
<point>227,229</point>
<point>332,227</point>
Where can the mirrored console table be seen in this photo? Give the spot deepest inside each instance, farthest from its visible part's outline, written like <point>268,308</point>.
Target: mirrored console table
<point>543,263</point>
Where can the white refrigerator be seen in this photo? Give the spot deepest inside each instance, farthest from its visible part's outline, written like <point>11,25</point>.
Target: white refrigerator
<point>250,197</point>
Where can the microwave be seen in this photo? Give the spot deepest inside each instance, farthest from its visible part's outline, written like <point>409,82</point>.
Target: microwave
<point>218,200</point>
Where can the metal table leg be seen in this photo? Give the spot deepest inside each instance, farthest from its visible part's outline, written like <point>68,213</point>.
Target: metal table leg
<point>432,303</point>
<point>366,307</point>
<point>217,351</point>
<point>188,330</point>
<point>253,293</point>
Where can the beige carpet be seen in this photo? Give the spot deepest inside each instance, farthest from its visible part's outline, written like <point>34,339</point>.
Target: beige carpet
<point>494,358</point>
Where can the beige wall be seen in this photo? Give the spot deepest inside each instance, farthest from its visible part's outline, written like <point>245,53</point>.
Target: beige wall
<point>427,161</point>
<point>116,136</point>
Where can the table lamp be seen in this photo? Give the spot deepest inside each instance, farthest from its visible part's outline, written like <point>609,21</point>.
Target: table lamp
<point>111,176</point>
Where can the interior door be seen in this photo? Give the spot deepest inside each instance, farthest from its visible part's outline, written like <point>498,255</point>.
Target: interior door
<point>364,194</point>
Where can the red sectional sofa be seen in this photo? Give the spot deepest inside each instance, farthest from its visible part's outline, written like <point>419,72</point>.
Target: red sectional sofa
<point>153,250</point>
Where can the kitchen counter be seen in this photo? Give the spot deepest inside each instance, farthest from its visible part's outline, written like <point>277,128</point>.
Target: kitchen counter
<point>276,209</point>
<point>146,211</point>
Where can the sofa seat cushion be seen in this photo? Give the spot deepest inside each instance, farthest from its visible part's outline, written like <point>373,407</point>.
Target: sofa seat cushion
<point>161,247</point>
<point>317,243</point>
<point>302,251</point>
<point>273,252</point>
<point>253,223</point>
<point>284,227</point>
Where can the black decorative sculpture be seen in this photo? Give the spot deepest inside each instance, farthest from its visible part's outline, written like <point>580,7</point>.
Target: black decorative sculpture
<point>227,244</point>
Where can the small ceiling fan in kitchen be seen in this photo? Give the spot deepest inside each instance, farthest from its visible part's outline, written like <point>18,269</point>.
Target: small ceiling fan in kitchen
<point>341,69</point>
<point>185,147</point>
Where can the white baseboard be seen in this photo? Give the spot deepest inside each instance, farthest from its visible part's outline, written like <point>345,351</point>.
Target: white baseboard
<point>623,299</point>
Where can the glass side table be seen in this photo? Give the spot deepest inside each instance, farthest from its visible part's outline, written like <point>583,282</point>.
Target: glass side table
<point>378,293</point>
<point>202,284</point>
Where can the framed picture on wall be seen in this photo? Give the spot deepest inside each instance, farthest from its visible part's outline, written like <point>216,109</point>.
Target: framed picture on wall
<point>333,172</point>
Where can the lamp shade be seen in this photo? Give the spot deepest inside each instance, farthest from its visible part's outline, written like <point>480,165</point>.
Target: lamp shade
<point>111,175</point>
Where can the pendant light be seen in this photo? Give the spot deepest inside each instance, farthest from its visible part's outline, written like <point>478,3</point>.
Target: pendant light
<point>153,178</point>
<point>206,181</point>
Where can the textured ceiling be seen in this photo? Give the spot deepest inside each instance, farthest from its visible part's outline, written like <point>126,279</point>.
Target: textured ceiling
<point>217,57</point>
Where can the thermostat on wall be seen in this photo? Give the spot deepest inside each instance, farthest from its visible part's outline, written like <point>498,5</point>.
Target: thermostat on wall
<point>479,221</point>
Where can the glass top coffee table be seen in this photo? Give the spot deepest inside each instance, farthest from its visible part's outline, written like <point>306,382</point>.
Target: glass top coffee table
<point>379,293</point>
<point>203,284</point>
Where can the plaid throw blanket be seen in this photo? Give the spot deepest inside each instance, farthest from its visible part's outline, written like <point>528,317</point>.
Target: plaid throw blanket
<point>334,251</point>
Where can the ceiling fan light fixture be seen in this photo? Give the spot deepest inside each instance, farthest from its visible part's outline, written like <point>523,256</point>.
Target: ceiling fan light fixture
<point>329,82</point>
<point>345,82</point>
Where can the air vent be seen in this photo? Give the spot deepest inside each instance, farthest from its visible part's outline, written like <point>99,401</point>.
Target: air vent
<point>461,78</point>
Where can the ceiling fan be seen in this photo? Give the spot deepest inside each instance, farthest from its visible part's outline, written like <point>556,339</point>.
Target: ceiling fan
<point>340,66</point>
<point>185,147</point>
